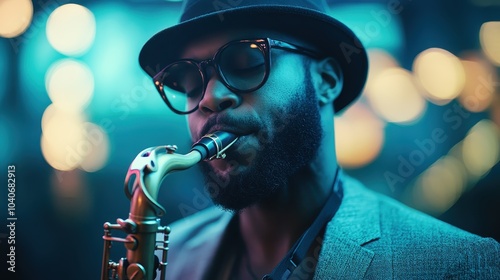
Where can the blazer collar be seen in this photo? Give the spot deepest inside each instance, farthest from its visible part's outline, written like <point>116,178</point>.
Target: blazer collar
<point>356,223</point>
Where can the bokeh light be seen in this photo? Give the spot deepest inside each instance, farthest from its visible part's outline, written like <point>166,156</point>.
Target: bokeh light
<point>481,148</point>
<point>69,141</point>
<point>379,60</point>
<point>70,84</point>
<point>440,186</point>
<point>71,29</point>
<point>376,24</point>
<point>359,136</point>
<point>395,97</point>
<point>489,36</point>
<point>114,58</point>
<point>62,136</point>
<point>15,17</point>
<point>440,73</point>
<point>495,110</point>
<point>34,57</point>
<point>98,148</point>
<point>479,87</point>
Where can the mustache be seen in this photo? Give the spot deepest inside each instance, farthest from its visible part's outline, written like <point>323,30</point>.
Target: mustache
<point>237,125</point>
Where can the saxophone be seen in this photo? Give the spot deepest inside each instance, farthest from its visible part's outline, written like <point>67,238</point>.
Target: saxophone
<point>142,185</point>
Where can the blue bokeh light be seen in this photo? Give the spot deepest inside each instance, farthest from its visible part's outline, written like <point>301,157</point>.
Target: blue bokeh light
<point>121,87</point>
<point>35,57</point>
<point>376,25</point>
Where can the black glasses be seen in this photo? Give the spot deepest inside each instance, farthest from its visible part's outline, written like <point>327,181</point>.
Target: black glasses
<point>243,66</point>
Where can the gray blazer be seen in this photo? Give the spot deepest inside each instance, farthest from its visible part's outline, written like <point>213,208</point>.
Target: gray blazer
<point>370,237</point>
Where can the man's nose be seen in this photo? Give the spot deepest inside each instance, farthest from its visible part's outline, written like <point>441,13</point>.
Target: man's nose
<point>218,97</point>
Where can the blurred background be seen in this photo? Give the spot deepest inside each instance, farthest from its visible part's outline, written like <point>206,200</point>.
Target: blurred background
<point>76,109</point>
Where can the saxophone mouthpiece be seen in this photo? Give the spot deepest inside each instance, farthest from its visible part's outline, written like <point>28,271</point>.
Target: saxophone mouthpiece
<point>214,145</point>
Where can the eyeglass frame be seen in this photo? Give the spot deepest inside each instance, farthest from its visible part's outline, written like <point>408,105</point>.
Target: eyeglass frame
<point>265,45</point>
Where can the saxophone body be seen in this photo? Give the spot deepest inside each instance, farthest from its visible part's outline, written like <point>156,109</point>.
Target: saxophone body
<point>142,184</point>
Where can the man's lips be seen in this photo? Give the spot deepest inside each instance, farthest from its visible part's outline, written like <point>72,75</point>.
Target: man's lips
<point>233,130</point>
<point>223,122</point>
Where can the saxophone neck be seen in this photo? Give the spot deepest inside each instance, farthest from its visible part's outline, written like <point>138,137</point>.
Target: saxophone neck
<point>149,168</point>
<point>152,165</point>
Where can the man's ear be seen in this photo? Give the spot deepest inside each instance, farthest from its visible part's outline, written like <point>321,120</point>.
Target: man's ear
<point>328,80</point>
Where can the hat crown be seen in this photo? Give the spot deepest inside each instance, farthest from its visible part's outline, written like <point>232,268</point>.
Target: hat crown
<point>196,8</point>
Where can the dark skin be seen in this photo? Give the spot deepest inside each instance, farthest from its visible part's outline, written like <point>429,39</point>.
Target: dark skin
<point>272,225</point>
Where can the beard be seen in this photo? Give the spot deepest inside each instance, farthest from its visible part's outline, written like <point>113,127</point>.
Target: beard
<point>292,145</point>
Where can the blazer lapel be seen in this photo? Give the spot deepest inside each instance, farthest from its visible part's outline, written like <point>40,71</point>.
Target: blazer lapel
<point>355,224</point>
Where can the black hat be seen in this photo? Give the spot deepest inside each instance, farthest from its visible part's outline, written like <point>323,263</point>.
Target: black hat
<point>305,20</point>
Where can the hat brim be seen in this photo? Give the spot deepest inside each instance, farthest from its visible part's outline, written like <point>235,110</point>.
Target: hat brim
<point>329,36</point>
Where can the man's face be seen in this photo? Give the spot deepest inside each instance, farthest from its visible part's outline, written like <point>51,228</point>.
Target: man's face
<point>278,124</point>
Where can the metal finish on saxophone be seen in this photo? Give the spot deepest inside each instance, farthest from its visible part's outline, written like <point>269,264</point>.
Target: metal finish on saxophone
<point>142,185</point>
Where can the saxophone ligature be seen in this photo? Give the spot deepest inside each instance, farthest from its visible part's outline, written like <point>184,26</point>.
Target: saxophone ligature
<point>142,227</point>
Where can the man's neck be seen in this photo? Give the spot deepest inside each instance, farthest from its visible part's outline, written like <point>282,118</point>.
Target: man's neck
<point>270,229</point>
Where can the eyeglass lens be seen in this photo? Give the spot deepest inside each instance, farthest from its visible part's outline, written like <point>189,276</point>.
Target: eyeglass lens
<point>241,65</point>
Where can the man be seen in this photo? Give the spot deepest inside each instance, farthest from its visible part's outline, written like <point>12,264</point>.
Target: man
<point>275,73</point>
